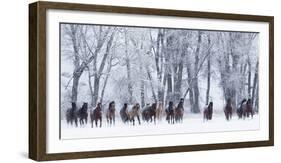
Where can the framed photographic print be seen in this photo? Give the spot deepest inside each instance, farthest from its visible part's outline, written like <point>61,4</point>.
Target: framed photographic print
<point>111,81</point>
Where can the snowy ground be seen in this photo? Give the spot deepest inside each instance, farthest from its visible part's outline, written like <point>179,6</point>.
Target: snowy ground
<point>191,124</point>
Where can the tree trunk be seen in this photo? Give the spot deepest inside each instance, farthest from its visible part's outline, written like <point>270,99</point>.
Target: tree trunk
<point>208,80</point>
<point>142,94</point>
<point>178,82</point>
<point>195,81</point>
<point>208,73</point>
<point>128,66</point>
<point>257,98</point>
<point>189,90</point>
<point>75,88</point>
<point>169,88</point>
<point>91,88</point>
<point>103,88</point>
<point>76,62</point>
<point>130,87</point>
<point>96,89</point>
<point>255,86</point>
<point>151,84</point>
<point>249,78</point>
<point>159,64</point>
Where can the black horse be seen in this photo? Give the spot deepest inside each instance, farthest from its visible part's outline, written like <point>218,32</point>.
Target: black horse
<point>83,114</point>
<point>241,108</point>
<point>124,113</point>
<point>228,110</point>
<point>170,113</point>
<point>71,115</point>
<point>179,110</point>
<point>149,113</point>
<point>145,113</point>
<point>208,112</point>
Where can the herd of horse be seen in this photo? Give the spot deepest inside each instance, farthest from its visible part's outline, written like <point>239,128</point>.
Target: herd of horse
<point>149,114</point>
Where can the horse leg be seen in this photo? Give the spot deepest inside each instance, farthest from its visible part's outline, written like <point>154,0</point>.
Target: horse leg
<point>76,122</point>
<point>113,118</point>
<point>204,116</point>
<point>100,121</point>
<point>96,122</point>
<point>133,119</point>
<point>138,117</point>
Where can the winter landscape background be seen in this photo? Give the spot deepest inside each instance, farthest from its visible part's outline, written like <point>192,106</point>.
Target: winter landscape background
<point>146,65</point>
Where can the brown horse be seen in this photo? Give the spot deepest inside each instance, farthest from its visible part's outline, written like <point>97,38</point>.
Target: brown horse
<point>71,115</point>
<point>159,111</point>
<point>134,112</point>
<point>179,110</point>
<point>208,112</point>
<point>228,110</point>
<point>96,115</point>
<point>110,113</point>
<point>170,114</point>
<point>248,110</point>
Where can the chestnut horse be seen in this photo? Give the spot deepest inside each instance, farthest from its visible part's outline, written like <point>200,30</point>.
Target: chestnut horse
<point>208,112</point>
<point>96,115</point>
<point>228,110</point>
<point>159,111</point>
<point>110,113</point>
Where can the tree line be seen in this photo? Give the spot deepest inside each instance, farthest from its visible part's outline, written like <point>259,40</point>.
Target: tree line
<point>137,64</point>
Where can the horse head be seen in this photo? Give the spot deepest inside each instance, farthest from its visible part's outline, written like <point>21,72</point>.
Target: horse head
<point>73,105</point>
<point>249,101</point>
<point>98,107</point>
<point>85,106</point>
<point>137,106</point>
<point>112,106</point>
<point>210,106</point>
<point>153,107</point>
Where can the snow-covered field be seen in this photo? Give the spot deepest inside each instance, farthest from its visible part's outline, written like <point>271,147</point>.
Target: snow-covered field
<point>191,124</point>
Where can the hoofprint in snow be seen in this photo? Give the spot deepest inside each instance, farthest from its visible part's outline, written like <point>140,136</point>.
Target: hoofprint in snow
<point>191,124</point>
